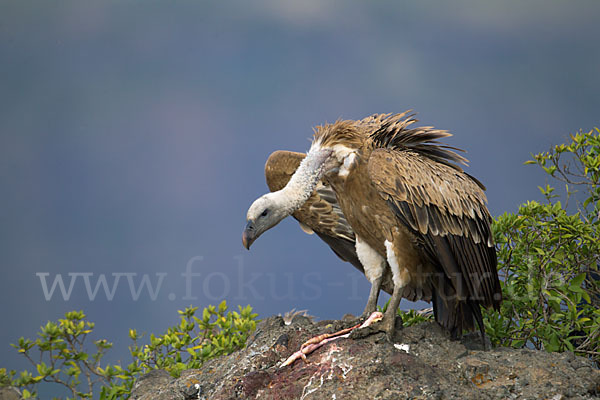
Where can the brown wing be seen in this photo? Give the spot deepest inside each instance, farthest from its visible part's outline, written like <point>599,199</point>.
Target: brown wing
<point>445,209</point>
<point>321,213</point>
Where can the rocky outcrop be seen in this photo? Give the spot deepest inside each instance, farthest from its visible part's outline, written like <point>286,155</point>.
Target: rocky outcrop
<point>423,363</point>
<point>9,393</point>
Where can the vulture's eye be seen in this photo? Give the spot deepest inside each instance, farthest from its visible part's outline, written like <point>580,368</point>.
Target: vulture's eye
<point>264,213</point>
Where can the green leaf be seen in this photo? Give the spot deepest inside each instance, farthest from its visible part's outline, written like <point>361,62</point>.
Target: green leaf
<point>578,280</point>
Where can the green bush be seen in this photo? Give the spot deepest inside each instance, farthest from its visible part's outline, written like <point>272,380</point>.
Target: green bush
<point>62,355</point>
<point>548,257</point>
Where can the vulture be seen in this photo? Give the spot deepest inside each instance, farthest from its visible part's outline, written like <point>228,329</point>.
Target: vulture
<point>419,222</point>
<point>320,214</point>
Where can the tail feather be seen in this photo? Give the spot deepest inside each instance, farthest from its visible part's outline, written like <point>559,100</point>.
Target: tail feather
<point>457,315</point>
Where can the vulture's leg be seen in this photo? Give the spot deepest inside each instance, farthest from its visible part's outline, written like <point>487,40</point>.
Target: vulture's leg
<point>400,278</point>
<point>389,318</point>
<point>374,265</point>
<point>373,297</point>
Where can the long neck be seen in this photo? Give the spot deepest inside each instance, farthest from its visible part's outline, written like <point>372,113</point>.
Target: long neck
<point>305,179</point>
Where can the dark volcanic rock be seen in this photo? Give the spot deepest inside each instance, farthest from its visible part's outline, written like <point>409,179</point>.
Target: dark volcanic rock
<point>434,367</point>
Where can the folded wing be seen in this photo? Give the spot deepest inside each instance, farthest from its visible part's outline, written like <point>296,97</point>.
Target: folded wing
<point>445,209</point>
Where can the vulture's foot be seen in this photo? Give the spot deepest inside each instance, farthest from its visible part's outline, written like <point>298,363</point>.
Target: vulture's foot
<point>388,325</point>
<point>314,343</point>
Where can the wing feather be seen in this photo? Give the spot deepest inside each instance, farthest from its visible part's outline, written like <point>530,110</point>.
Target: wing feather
<point>446,210</point>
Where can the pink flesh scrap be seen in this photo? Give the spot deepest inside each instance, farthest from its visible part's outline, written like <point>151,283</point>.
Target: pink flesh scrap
<point>314,343</point>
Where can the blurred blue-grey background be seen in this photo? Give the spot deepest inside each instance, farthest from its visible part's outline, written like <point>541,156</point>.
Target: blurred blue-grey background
<point>133,137</point>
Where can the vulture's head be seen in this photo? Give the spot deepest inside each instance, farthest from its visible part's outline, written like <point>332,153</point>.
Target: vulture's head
<point>266,212</point>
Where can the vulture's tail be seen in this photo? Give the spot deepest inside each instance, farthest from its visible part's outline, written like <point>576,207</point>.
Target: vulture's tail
<point>457,315</point>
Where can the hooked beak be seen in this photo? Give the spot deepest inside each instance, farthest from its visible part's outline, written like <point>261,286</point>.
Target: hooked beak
<point>248,235</point>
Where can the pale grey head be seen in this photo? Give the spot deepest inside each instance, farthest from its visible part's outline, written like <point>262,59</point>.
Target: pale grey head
<point>266,212</point>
